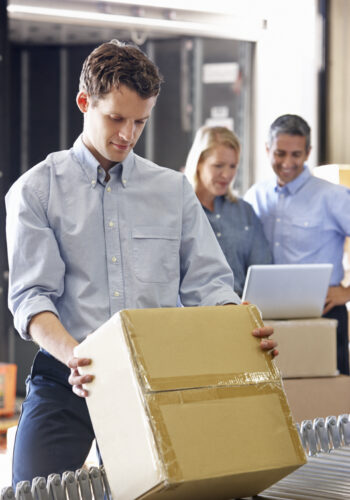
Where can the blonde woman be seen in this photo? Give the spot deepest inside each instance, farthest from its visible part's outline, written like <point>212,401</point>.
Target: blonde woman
<point>211,167</point>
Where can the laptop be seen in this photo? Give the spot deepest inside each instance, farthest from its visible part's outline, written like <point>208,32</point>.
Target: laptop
<point>288,291</point>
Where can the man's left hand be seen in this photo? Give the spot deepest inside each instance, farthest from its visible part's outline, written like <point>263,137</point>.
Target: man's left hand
<point>264,333</point>
<point>266,343</point>
<point>336,296</point>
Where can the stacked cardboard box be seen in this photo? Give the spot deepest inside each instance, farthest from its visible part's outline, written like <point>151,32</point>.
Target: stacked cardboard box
<point>308,365</point>
<point>307,347</point>
<point>310,398</point>
<point>185,405</point>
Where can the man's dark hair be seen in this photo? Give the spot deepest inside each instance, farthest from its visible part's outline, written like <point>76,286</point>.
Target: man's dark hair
<point>291,125</point>
<point>116,63</point>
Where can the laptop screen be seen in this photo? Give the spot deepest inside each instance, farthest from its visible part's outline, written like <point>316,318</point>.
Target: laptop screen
<point>287,291</point>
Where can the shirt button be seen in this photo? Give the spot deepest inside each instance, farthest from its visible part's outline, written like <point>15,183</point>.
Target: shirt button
<point>277,244</point>
<point>116,294</point>
<point>124,181</point>
<point>218,235</point>
<point>109,189</point>
<point>111,224</point>
<point>114,259</point>
<point>281,195</point>
<point>246,228</point>
<point>93,183</point>
<point>306,223</point>
<point>278,219</point>
<point>218,216</point>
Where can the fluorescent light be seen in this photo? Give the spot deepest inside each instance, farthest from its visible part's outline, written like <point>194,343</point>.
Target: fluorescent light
<point>225,7</point>
<point>228,27</point>
<point>97,18</point>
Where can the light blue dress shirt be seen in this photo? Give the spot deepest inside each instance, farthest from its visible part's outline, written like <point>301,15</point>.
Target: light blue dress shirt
<point>305,221</point>
<point>84,248</point>
<point>240,235</point>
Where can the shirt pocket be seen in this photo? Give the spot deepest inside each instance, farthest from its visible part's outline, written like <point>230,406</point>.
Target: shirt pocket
<point>304,232</point>
<point>156,254</point>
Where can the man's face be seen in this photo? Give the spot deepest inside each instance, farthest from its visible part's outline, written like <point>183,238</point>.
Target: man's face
<point>114,123</point>
<point>287,155</point>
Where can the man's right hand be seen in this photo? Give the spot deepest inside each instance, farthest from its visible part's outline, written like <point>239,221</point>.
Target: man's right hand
<point>77,380</point>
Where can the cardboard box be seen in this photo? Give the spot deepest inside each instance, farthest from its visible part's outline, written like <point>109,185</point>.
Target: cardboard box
<point>311,398</point>
<point>307,347</point>
<point>185,405</point>
<point>338,174</point>
<point>8,374</point>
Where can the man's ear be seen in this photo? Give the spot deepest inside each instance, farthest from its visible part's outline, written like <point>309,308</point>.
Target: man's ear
<point>83,101</point>
<point>267,148</point>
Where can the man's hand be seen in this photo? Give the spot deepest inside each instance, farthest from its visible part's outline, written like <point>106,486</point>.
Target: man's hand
<point>266,344</point>
<point>48,332</point>
<point>264,333</point>
<point>77,380</point>
<point>336,296</point>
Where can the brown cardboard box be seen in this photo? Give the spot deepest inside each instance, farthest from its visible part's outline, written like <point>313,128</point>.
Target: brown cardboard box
<point>186,406</point>
<point>311,398</point>
<point>336,173</point>
<point>307,347</point>
<point>8,374</point>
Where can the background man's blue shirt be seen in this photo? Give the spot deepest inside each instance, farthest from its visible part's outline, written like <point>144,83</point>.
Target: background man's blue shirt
<point>84,248</point>
<point>305,221</point>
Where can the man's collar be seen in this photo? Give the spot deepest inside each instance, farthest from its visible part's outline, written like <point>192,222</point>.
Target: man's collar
<point>293,186</point>
<point>86,159</point>
<point>90,164</point>
<point>127,166</point>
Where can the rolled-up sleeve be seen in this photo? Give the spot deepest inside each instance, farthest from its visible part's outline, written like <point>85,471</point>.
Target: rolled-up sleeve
<point>36,267</point>
<point>206,278</point>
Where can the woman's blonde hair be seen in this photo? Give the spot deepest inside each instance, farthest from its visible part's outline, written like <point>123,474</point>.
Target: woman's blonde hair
<point>206,139</point>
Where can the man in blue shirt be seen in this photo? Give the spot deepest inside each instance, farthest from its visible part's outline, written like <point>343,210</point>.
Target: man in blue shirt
<point>91,231</point>
<point>305,219</point>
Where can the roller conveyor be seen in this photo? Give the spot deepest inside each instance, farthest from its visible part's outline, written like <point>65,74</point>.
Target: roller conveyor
<point>325,476</point>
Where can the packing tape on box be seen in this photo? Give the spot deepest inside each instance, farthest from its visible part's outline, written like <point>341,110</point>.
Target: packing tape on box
<point>165,407</point>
